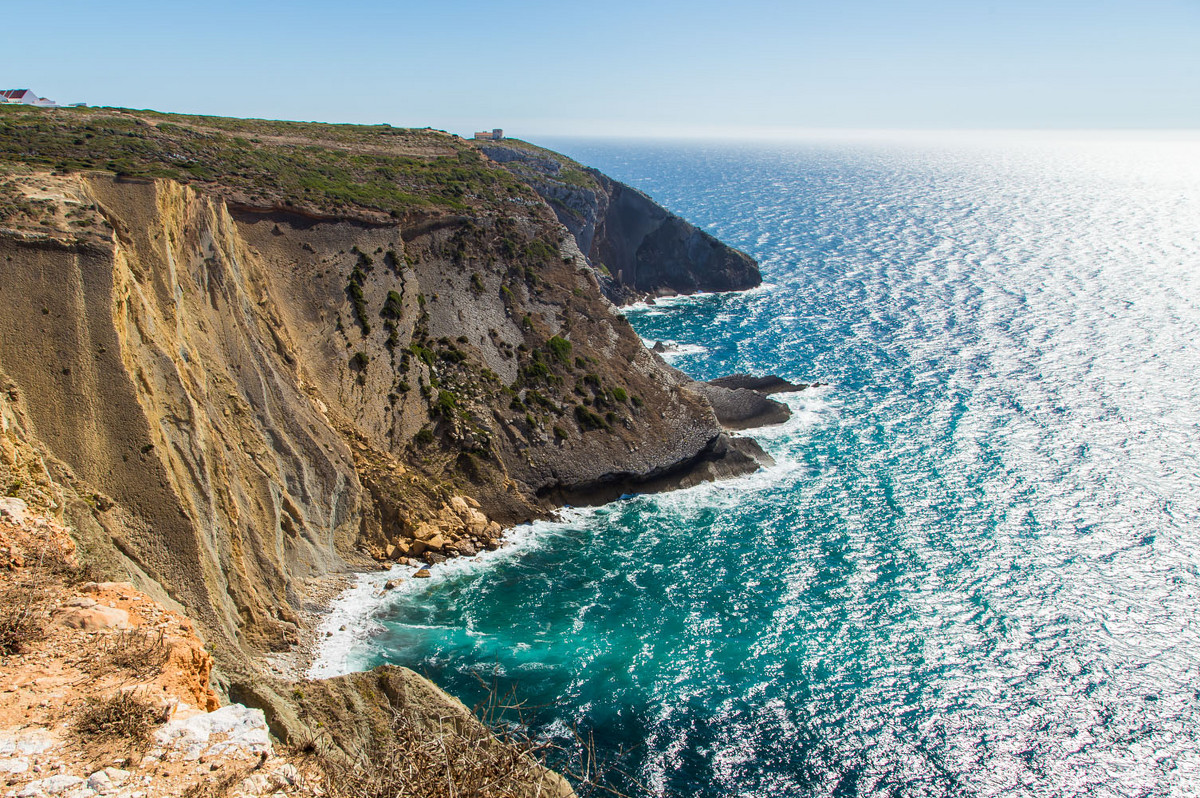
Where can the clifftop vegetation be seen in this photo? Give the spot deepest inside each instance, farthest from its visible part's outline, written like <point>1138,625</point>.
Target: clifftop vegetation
<point>353,170</point>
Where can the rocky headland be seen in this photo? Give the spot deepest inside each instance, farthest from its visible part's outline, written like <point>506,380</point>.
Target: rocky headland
<point>242,359</point>
<point>637,247</point>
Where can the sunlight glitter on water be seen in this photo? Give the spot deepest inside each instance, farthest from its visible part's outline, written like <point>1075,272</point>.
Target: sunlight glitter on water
<point>975,569</point>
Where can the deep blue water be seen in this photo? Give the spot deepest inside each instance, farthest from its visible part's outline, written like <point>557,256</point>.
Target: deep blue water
<point>974,570</point>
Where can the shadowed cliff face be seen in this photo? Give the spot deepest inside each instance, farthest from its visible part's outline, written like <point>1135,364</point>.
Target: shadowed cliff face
<point>236,403</point>
<point>636,245</point>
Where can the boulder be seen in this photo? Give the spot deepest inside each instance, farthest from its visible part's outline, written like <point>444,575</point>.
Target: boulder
<point>93,619</point>
<point>425,531</point>
<point>422,574</point>
<point>97,587</point>
<point>108,779</point>
<point>475,521</point>
<point>15,509</point>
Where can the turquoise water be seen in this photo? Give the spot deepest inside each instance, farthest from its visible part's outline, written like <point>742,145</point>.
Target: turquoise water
<point>974,570</point>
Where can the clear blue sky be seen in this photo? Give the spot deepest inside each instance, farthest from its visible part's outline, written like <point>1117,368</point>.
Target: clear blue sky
<point>630,67</point>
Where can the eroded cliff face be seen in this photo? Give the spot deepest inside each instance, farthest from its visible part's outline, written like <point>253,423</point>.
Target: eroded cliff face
<point>229,406</point>
<point>155,368</point>
<point>637,247</point>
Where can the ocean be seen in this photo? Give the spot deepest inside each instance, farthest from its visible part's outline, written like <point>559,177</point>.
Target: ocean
<point>974,569</point>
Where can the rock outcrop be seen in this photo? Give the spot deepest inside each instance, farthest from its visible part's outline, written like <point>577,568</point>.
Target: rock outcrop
<point>188,744</point>
<point>637,247</point>
<point>743,408</point>
<point>767,384</point>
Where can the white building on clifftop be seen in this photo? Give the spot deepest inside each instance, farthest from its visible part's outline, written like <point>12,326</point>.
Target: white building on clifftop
<point>493,135</point>
<point>25,97</point>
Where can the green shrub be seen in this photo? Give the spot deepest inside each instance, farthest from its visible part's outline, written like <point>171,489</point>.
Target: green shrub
<point>452,355</point>
<point>589,420</point>
<point>541,251</point>
<point>393,306</point>
<point>535,372</point>
<point>425,354</point>
<point>445,404</point>
<point>560,347</point>
<point>359,304</point>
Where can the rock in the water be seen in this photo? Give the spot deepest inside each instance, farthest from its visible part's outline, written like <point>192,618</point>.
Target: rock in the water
<point>422,574</point>
<point>765,385</point>
<point>742,408</point>
<point>392,584</point>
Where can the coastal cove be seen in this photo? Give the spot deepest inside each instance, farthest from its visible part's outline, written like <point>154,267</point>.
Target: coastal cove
<point>971,570</point>
<point>279,365</point>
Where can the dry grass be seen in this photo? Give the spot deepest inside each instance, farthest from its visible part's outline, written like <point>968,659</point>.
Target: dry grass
<point>219,787</point>
<point>124,718</point>
<point>412,761</point>
<point>142,652</point>
<point>452,759</point>
<point>22,618</point>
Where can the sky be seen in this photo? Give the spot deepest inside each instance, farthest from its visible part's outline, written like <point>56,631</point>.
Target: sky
<point>624,67</point>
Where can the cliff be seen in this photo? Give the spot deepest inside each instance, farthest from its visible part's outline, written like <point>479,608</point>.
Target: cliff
<point>240,357</point>
<point>637,247</point>
<point>107,692</point>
